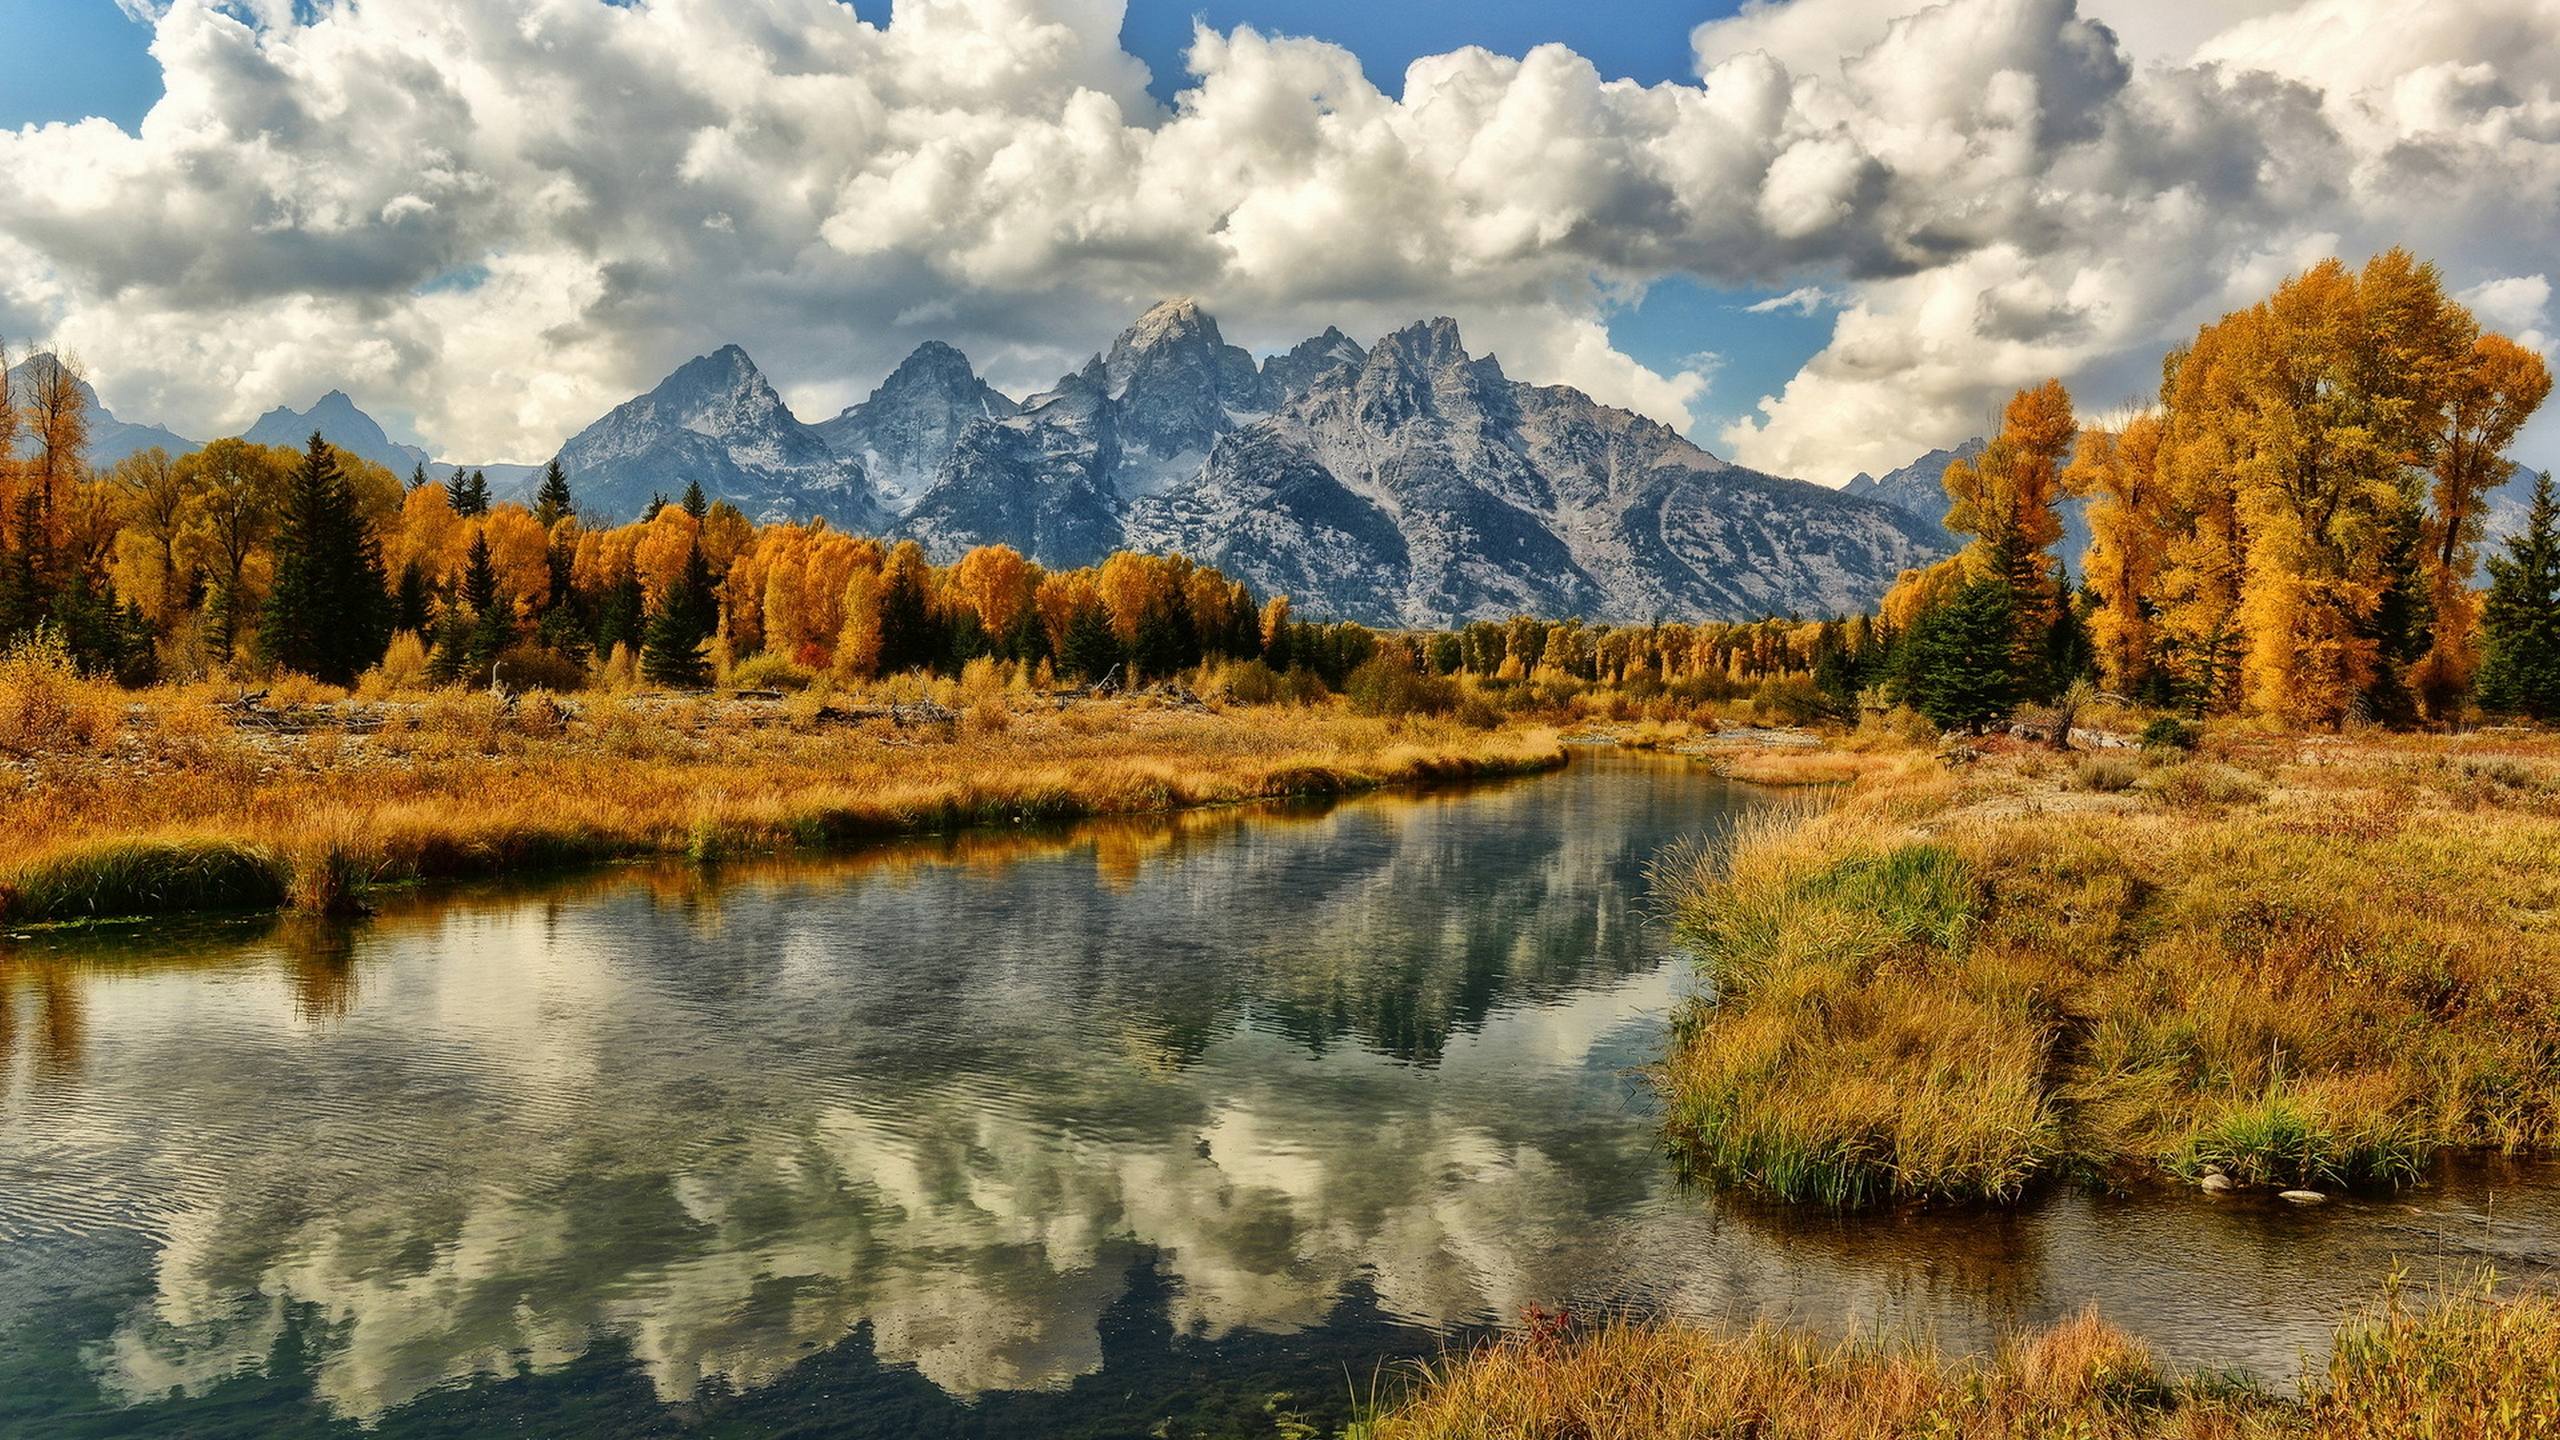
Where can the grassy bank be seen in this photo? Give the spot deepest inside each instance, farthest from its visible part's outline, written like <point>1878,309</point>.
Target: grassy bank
<point>2476,1367</point>
<point>175,808</point>
<point>2283,962</point>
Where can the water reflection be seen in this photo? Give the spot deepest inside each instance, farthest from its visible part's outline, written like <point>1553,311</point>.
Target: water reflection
<point>954,1107</point>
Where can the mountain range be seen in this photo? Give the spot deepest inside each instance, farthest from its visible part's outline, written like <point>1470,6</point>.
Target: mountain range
<point>1403,483</point>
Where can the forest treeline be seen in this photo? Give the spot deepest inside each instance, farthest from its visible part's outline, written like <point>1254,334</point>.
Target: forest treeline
<point>2291,528</point>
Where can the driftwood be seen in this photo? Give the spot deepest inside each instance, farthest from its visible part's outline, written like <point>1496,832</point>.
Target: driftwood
<point>920,712</point>
<point>250,712</point>
<point>2041,732</point>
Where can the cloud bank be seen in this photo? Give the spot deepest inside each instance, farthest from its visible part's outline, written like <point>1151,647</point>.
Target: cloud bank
<point>502,217</point>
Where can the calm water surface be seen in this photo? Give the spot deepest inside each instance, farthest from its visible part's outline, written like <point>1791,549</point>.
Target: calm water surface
<point>1171,1128</point>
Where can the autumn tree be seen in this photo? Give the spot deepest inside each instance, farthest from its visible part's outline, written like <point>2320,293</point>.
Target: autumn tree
<point>151,501</point>
<point>2118,471</point>
<point>2487,402</point>
<point>56,428</point>
<point>328,613</point>
<point>2005,500</point>
<point>235,498</point>
<point>2333,410</point>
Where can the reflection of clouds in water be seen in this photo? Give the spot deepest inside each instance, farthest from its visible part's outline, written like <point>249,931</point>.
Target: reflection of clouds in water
<point>949,1106</point>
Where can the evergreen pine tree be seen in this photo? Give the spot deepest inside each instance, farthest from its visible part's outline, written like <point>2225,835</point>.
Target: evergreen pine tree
<point>1959,657</point>
<point>25,568</point>
<point>1090,648</point>
<point>694,503</point>
<point>907,638</point>
<point>139,664</point>
<point>1166,642</point>
<point>492,614</point>
<point>413,602</point>
<point>468,494</point>
<point>2520,621</point>
<point>551,503</point>
<point>451,647</point>
<point>92,625</point>
<point>622,616</point>
<point>418,476</point>
<point>328,615</point>
<point>672,655</point>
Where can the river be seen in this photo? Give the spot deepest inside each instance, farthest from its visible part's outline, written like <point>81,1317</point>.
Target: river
<point>1172,1127</point>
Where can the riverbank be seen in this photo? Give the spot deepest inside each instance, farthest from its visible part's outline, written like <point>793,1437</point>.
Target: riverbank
<point>2476,1366</point>
<point>177,806</point>
<point>2280,962</point>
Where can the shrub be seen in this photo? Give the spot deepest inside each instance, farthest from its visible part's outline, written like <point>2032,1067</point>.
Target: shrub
<point>541,713</point>
<point>766,670</point>
<point>984,705</point>
<point>532,667</point>
<point>2105,774</point>
<point>2168,732</point>
<point>1788,700</point>
<point>2201,784</point>
<point>289,689</point>
<point>401,670</point>
<point>1387,684</point>
<point>46,705</point>
<point>1252,683</point>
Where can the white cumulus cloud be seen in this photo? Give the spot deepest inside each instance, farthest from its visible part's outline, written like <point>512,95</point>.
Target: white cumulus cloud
<point>504,216</point>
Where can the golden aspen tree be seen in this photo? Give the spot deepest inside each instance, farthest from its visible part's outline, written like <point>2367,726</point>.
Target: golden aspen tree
<point>2203,550</point>
<point>1275,621</point>
<point>429,535</point>
<point>2342,375</point>
<point>2487,402</point>
<point>858,641</point>
<point>2119,472</point>
<point>1132,585</point>
<point>2005,500</point>
<point>996,585</point>
<point>235,496</point>
<point>150,500</point>
<point>663,548</point>
<point>520,552</point>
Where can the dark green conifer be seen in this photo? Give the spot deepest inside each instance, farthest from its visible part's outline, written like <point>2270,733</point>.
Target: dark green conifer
<point>672,654</point>
<point>551,503</point>
<point>468,494</point>
<point>1959,657</point>
<point>2520,621</point>
<point>329,613</point>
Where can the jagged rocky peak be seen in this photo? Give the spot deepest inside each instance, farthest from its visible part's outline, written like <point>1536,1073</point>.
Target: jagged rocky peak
<point>340,422</point>
<point>1422,368</point>
<point>1176,385</point>
<point>717,420</point>
<point>1294,372</point>
<point>720,394</point>
<point>904,430</point>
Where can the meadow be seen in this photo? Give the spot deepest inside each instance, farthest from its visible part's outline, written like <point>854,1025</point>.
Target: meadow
<point>2476,1365</point>
<point>2282,961</point>
<point>119,803</point>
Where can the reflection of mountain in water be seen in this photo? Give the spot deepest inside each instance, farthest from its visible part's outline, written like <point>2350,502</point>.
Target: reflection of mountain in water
<point>987,1118</point>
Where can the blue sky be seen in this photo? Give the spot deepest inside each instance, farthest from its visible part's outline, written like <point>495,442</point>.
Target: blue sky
<point>65,59</point>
